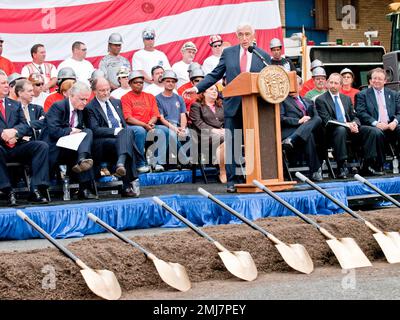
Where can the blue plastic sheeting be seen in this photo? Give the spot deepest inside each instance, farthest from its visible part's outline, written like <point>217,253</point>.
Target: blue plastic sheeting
<point>170,177</point>
<point>66,221</point>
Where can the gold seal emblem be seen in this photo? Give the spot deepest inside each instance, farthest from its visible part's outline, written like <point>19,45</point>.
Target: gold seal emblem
<point>273,84</point>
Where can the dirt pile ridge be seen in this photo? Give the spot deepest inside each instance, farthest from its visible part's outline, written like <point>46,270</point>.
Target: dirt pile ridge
<point>27,275</point>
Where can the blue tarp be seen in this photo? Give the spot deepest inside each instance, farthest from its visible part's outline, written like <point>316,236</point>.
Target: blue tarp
<point>70,220</point>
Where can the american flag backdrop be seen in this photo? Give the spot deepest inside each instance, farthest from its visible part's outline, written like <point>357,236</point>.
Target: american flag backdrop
<point>59,23</point>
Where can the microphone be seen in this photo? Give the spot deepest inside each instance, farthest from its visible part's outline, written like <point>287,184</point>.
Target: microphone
<point>252,49</point>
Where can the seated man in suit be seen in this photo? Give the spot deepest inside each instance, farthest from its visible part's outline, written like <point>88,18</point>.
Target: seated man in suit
<point>334,106</point>
<point>111,137</point>
<point>64,118</point>
<point>13,127</point>
<point>299,123</point>
<point>34,114</point>
<point>379,108</point>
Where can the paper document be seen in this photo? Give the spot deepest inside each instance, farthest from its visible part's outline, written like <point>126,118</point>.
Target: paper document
<point>338,123</point>
<point>71,141</point>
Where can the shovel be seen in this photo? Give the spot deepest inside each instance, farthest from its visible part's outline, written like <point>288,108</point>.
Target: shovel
<point>102,282</point>
<point>295,255</point>
<point>376,189</point>
<point>239,263</point>
<point>346,250</point>
<point>172,274</point>
<point>388,241</point>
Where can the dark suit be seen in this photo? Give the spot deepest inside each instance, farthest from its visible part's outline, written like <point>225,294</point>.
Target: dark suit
<point>34,152</point>
<point>106,145</point>
<point>290,116</point>
<point>338,135</point>
<point>229,65</point>
<point>35,113</point>
<point>57,126</point>
<point>368,112</point>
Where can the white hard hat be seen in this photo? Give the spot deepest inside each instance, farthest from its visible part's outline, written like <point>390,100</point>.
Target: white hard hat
<point>135,74</point>
<point>275,42</point>
<point>169,74</point>
<point>189,45</point>
<point>347,70</point>
<point>316,63</point>
<point>115,38</point>
<point>319,71</point>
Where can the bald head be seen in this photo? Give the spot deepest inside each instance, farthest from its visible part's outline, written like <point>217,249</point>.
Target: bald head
<point>102,88</point>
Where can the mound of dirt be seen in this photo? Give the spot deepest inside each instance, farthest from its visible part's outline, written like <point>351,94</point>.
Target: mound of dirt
<point>29,275</point>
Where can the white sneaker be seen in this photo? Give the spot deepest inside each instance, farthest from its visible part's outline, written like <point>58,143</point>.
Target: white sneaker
<point>143,169</point>
<point>158,168</point>
<point>136,187</point>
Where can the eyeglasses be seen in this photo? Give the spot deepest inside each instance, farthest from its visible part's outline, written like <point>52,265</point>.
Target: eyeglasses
<point>217,45</point>
<point>126,77</point>
<point>148,38</point>
<point>137,82</point>
<point>196,80</point>
<point>39,84</point>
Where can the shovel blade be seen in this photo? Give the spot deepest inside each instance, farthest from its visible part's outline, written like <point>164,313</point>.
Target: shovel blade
<point>240,264</point>
<point>348,253</point>
<point>296,256</point>
<point>103,283</point>
<point>173,274</point>
<point>390,245</point>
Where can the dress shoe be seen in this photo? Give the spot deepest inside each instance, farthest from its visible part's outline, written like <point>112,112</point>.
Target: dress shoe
<point>129,192</point>
<point>343,173</point>
<point>83,165</point>
<point>143,169</point>
<point>36,197</point>
<point>120,170</point>
<point>86,194</point>
<point>287,144</point>
<point>12,199</point>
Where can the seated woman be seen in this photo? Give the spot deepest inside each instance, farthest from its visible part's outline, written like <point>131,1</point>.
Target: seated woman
<point>207,117</point>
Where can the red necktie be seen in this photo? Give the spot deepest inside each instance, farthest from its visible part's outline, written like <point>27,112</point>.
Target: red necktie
<point>300,105</point>
<point>243,61</point>
<point>382,110</point>
<point>3,113</point>
<point>3,110</point>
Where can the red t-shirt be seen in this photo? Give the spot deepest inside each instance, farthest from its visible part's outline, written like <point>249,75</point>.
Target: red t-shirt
<point>351,93</point>
<point>188,101</point>
<point>307,86</point>
<point>142,107</point>
<point>6,65</point>
<point>53,97</point>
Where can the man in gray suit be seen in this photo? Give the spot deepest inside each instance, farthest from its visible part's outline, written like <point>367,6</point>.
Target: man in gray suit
<point>233,61</point>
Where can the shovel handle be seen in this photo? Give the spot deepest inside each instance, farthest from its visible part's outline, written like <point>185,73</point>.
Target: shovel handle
<point>287,205</point>
<point>326,194</point>
<point>233,212</point>
<point>119,235</point>
<point>60,247</point>
<point>376,189</point>
<point>183,219</point>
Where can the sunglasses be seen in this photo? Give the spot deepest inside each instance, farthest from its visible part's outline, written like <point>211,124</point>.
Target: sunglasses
<point>196,80</point>
<point>148,38</point>
<point>39,84</point>
<point>217,45</point>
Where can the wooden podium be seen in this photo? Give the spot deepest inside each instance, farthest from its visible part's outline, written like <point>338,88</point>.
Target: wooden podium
<point>262,143</point>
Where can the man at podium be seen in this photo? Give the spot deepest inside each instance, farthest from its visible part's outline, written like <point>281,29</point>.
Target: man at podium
<point>233,61</point>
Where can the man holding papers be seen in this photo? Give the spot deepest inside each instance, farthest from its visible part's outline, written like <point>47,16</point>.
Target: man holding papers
<point>66,118</point>
<point>111,138</point>
<point>334,106</point>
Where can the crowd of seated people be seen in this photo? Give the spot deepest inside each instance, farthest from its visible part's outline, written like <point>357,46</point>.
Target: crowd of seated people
<point>130,111</point>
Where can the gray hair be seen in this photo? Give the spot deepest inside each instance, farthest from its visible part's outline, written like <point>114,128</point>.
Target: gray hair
<point>79,87</point>
<point>244,25</point>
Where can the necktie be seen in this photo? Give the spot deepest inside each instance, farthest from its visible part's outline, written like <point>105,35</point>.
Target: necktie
<point>26,113</point>
<point>3,110</point>
<point>383,117</point>
<point>3,113</point>
<point>114,122</point>
<point>338,111</point>
<point>243,61</point>
<point>300,105</point>
<point>72,120</point>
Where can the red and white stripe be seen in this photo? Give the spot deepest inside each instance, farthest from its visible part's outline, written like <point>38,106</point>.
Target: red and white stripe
<point>58,23</point>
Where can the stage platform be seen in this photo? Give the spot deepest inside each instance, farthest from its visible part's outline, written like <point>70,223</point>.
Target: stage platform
<point>68,219</point>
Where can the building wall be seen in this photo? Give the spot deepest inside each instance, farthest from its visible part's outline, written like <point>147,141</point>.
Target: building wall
<point>371,16</point>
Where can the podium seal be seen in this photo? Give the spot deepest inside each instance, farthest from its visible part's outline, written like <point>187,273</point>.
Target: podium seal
<point>273,84</point>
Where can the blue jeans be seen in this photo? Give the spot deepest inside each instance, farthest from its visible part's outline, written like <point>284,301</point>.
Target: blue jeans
<point>160,146</point>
